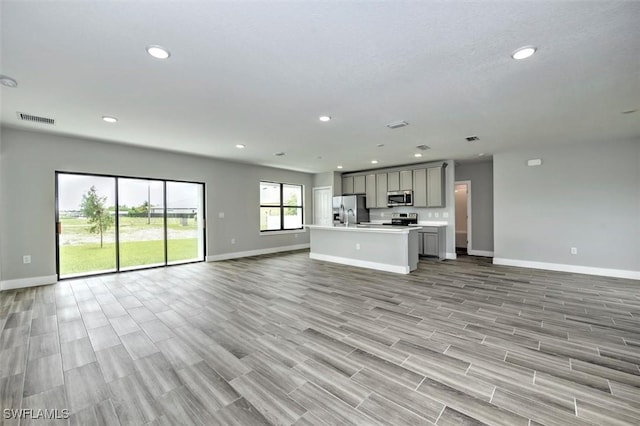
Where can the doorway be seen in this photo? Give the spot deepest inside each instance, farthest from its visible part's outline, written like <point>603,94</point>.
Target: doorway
<point>322,205</point>
<point>112,223</point>
<point>463,216</point>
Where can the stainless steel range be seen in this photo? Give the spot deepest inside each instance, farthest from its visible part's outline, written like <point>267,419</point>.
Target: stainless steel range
<point>403,219</point>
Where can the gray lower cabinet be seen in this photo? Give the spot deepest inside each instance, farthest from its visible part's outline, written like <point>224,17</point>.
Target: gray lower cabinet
<point>432,241</point>
<point>370,187</point>
<point>420,188</point>
<point>381,190</point>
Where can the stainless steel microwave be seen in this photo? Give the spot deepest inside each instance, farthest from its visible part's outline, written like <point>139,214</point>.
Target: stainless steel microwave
<point>399,198</point>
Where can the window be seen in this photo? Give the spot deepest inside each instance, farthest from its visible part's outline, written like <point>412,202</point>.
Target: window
<point>280,206</point>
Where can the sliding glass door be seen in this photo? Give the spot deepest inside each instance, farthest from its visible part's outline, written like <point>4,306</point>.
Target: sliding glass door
<point>86,231</point>
<point>110,223</point>
<point>141,227</point>
<point>184,222</point>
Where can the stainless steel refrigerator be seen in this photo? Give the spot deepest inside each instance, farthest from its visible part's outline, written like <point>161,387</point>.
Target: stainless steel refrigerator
<point>351,208</point>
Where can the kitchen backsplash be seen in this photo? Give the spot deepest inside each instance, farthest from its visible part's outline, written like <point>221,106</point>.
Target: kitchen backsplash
<point>439,215</point>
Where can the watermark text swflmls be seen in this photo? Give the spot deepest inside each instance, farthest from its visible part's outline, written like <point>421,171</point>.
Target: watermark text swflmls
<point>35,414</point>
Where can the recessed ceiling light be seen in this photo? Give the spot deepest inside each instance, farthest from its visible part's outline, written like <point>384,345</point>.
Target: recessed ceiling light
<point>109,119</point>
<point>380,145</point>
<point>325,118</point>
<point>524,52</point>
<point>417,155</point>
<point>481,154</point>
<point>630,111</point>
<point>158,52</point>
<point>472,138</point>
<point>8,81</point>
<point>423,147</point>
<point>339,167</point>
<point>240,146</point>
<point>374,161</point>
<point>279,154</point>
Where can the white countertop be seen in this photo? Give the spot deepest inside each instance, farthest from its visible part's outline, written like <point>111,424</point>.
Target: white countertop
<point>382,229</point>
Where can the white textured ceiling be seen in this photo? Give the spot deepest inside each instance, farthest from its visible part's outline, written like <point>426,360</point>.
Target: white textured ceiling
<point>260,73</point>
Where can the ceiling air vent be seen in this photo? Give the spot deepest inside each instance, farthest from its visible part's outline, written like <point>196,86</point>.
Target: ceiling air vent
<point>397,124</point>
<point>423,147</point>
<point>472,138</point>
<point>35,119</point>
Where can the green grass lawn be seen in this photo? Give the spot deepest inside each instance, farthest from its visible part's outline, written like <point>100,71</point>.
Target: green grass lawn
<point>77,259</point>
<point>80,225</point>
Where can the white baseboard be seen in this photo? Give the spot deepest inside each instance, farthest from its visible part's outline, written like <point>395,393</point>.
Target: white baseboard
<point>484,253</point>
<point>451,256</point>
<point>577,269</point>
<point>28,282</point>
<point>239,254</point>
<point>361,263</point>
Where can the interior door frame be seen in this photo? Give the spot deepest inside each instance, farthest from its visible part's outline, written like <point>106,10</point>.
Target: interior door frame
<point>117,222</point>
<point>469,211</point>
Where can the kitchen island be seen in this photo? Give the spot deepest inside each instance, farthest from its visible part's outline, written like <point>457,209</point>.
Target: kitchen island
<point>385,248</point>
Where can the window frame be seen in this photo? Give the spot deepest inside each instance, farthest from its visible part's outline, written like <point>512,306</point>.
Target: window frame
<point>282,206</point>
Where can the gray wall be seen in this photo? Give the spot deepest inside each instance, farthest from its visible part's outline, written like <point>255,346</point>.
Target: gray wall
<point>584,196</point>
<point>28,163</point>
<point>481,177</point>
<point>333,179</point>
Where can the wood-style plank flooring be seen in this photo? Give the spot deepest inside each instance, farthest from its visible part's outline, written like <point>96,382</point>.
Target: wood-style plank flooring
<point>282,340</point>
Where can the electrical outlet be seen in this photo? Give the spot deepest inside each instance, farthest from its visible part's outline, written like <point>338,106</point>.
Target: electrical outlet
<point>436,214</point>
<point>221,215</point>
<point>233,241</point>
<point>382,214</point>
<point>357,246</point>
<point>445,214</point>
<point>574,250</point>
<point>26,259</point>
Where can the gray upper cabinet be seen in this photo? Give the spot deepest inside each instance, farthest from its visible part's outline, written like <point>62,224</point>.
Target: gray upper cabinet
<point>435,187</point>
<point>393,181</point>
<point>359,184</point>
<point>381,190</point>
<point>371,191</point>
<point>347,185</point>
<point>420,188</point>
<point>406,180</point>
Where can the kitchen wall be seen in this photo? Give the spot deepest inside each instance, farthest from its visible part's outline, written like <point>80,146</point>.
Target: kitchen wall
<point>29,160</point>
<point>481,177</point>
<point>582,196</point>
<point>446,214</point>
<point>333,179</point>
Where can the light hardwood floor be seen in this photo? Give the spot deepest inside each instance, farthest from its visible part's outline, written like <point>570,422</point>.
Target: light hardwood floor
<point>281,339</point>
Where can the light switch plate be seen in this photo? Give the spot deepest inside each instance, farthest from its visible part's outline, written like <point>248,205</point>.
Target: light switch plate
<point>445,214</point>
<point>26,259</point>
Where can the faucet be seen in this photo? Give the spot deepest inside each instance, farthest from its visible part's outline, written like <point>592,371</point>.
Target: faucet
<point>350,211</point>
